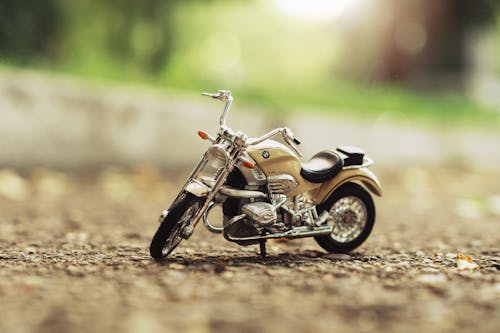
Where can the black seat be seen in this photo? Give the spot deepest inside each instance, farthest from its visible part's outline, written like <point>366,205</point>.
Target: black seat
<point>322,166</point>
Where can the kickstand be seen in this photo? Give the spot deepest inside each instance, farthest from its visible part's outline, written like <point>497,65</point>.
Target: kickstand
<point>262,245</point>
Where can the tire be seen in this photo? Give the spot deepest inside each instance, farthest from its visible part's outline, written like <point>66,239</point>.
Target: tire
<point>168,235</point>
<point>354,211</point>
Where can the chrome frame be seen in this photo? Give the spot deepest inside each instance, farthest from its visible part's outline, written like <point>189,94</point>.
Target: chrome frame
<point>219,181</point>
<point>297,232</point>
<point>207,223</point>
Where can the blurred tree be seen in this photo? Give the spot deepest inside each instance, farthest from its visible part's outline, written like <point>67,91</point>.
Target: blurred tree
<point>139,31</point>
<point>28,29</point>
<point>98,37</point>
<point>117,36</point>
<point>429,39</point>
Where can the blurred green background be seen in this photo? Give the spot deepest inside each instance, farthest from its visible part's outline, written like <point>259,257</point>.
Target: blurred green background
<point>436,61</point>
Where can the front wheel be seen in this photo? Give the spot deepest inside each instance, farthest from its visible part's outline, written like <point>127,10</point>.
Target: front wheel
<point>169,234</point>
<point>352,215</point>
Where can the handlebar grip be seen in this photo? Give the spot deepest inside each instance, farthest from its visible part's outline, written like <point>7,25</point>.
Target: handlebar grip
<point>210,95</point>
<point>296,141</point>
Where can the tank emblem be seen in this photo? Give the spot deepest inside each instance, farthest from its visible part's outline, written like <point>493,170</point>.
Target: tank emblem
<point>265,154</point>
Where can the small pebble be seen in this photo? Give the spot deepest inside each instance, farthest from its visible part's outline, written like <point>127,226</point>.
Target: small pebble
<point>431,279</point>
<point>337,256</point>
<point>219,267</point>
<point>176,266</point>
<point>75,271</point>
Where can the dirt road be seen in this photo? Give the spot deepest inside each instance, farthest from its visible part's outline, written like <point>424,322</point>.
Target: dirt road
<point>73,258</point>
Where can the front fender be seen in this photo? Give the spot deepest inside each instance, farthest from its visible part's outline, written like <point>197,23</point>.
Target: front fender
<point>360,175</point>
<point>197,188</point>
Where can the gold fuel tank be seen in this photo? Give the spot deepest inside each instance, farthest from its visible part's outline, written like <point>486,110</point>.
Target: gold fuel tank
<point>275,158</point>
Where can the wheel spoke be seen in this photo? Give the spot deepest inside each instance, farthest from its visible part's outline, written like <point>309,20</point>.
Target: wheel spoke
<point>175,237</point>
<point>349,217</point>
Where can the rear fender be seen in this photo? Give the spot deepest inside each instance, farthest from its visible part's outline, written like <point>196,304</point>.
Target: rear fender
<point>363,176</point>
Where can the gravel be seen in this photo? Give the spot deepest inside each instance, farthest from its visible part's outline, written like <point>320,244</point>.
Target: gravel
<point>74,257</point>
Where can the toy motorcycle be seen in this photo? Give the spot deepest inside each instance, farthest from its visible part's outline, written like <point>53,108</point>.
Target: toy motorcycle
<point>266,192</point>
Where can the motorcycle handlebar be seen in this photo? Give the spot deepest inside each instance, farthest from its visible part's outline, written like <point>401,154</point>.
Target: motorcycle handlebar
<point>225,96</point>
<point>288,137</point>
<point>255,141</point>
<point>210,95</point>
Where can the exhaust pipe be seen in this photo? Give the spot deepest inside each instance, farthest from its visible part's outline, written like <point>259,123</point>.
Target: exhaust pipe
<point>298,232</point>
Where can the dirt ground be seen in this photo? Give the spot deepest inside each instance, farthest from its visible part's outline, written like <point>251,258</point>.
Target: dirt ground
<point>74,258</point>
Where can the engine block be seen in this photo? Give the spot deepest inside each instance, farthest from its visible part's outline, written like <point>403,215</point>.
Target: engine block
<point>262,214</point>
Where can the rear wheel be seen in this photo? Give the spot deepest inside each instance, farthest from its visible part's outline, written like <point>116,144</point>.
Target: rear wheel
<point>352,214</point>
<point>169,233</point>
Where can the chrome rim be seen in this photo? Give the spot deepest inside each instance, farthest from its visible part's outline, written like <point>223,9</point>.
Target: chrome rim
<point>348,216</point>
<point>176,235</point>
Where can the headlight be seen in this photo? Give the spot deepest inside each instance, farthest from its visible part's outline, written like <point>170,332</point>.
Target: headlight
<point>217,156</point>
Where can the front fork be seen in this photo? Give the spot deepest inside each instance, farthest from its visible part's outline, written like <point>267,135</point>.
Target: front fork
<point>192,179</point>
